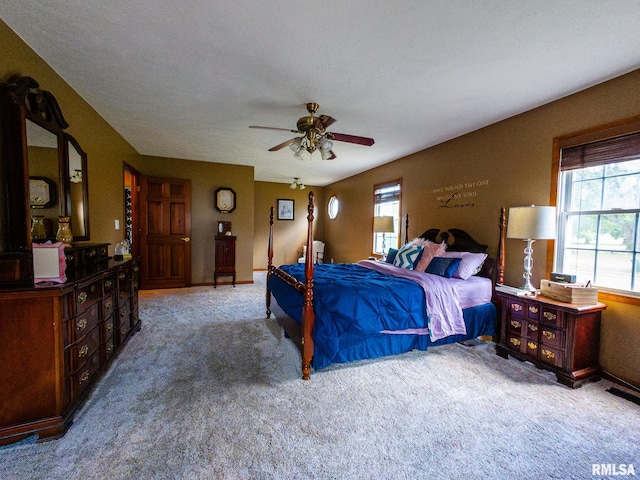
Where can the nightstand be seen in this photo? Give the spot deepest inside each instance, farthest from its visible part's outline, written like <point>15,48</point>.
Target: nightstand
<point>560,337</point>
<point>225,250</point>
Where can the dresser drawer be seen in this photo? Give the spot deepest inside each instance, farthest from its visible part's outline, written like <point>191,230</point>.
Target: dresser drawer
<point>108,306</point>
<point>78,353</point>
<point>552,337</point>
<point>85,322</point>
<point>87,295</point>
<point>124,321</point>
<point>82,378</point>
<point>109,348</point>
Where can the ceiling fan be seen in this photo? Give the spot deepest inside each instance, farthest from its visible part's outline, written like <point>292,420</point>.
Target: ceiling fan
<point>314,135</point>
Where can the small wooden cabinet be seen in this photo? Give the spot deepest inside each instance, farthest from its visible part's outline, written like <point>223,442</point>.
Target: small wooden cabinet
<point>560,337</point>
<point>225,247</point>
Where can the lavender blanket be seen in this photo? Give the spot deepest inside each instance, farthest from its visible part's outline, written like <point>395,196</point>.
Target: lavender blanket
<point>443,303</point>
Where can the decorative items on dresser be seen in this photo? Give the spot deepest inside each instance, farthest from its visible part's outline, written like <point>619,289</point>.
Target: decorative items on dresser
<point>561,337</point>
<point>225,258</point>
<point>56,340</point>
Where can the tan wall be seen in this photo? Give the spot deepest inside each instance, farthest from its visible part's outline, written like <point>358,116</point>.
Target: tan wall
<point>506,164</point>
<point>289,236</point>
<point>205,178</point>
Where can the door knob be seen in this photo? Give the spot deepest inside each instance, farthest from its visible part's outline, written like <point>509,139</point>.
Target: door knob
<point>186,239</point>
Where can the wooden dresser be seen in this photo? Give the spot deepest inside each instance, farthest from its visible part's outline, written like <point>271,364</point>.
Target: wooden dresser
<point>57,339</point>
<point>560,337</point>
<point>225,248</point>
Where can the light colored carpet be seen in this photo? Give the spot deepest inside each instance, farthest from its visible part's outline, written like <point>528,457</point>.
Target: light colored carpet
<point>209,389</point>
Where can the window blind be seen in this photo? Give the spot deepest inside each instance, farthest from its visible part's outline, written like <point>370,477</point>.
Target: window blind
<point>611,150</point>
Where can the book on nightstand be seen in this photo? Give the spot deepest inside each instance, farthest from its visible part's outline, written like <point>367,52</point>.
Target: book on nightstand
<point>518,292</point>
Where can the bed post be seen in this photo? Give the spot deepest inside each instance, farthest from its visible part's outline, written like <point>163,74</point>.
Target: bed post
<point>269,262</point>
<point>308,316</point>
<point>406,229</point>
<point>501,251</point>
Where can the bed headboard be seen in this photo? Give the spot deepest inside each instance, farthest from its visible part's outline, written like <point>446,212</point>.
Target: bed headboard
<point>458,240</point>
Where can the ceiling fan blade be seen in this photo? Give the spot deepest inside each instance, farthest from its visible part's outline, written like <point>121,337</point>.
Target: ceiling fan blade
<point>327,120</point>
<point>274,128</point>
<point>341,137</point>
<point>282,145</point>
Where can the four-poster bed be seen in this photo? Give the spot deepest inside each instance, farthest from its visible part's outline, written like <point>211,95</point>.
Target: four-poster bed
<point>339,313</point>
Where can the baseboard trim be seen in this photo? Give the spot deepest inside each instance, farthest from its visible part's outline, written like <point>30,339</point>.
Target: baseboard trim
<point>619,381</point>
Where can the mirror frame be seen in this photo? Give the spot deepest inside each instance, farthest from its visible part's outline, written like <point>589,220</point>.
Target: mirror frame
<point>20,99</point>
<point>71,142</point>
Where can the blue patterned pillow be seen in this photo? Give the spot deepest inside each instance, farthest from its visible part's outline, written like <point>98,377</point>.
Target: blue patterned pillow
<point>445,267</point>
<point>391,256</point>
<point>408,256</point>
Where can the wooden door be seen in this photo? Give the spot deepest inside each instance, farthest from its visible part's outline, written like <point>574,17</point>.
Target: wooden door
<point>165,241</point>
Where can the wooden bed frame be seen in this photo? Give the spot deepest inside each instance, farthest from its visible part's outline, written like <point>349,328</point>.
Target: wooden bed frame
<point>301,335</point>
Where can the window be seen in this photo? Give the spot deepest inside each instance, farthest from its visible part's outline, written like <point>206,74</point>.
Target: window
<point>599,212</point>
<point>386,202</point>
<point>334,207</point>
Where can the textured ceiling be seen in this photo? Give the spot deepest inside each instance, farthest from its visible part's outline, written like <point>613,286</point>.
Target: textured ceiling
<point>185,79</point>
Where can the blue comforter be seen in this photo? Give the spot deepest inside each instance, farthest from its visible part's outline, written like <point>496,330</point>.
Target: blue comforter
<point>350,300</point>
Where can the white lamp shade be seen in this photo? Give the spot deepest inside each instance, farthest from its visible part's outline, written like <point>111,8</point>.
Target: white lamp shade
<point>532,222</point>
<point>383,224</point>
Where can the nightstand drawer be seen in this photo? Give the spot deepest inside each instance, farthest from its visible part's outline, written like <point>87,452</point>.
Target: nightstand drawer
<point>553,317</point>
<point>515,326</point>
<point>531,330</point>
<point>552,337</point>
<point>516,308</point>
<point>552,356</point>
<point>515,342</point>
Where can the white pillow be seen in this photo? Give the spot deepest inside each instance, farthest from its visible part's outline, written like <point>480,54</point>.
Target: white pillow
<point>470,264</point>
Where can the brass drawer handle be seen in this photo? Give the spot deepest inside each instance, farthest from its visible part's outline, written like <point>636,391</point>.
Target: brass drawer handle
<point>83,351</point>
<point>516,307</point>
<point>109,348</point>
<point>548,354</point>
<point>533,327</point>
<point>108,284</point>
<point>82,297</point>
<point>109,326</point>
<point>84,377</point>
<point>515,324</point>
<point>533,309</point>
<point>108,304</point>
<point>81,325</point>
<point>532,345</point>
<point>122,276</point>
<point>548,334</point>
<point>550,316</point>
<point>515,342</point>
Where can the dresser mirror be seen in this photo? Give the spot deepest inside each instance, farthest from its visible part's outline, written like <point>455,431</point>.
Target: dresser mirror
<point>43,156</point>
<point>77,191</point>
<point>46,180</point>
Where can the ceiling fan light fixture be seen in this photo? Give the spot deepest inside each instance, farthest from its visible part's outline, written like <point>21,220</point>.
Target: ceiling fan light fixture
<point>293,185</point>
<point>298,154</point>
<point>325,154</point>
<point>296,145</point>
